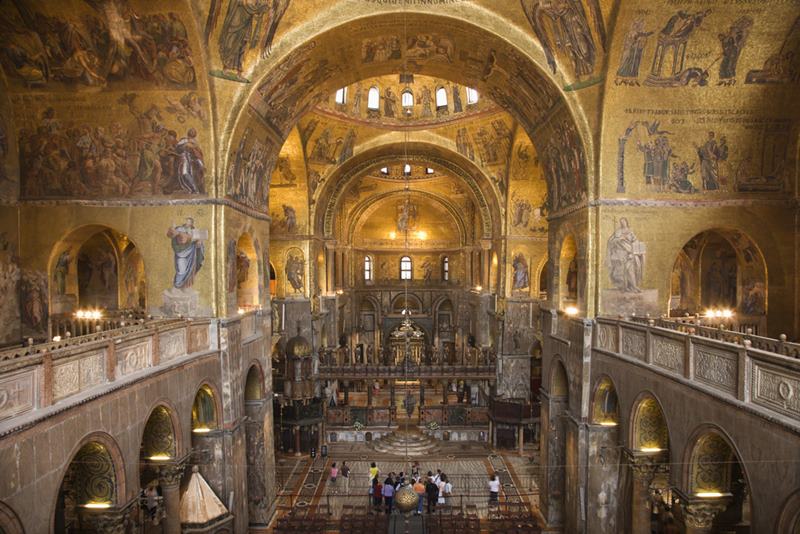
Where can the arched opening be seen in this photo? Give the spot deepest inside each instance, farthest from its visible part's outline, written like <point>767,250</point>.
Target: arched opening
<point>373,99</point>
<point>244,274</point>
<point>568,273</point>
<point>204,411</point>
<point>158,451</point>
<point>367,332</point>
<point>273,280</point>
<point>254,384</point>
<point>715,472</point>
<point>90,483</point>
<point>649,432</point>
<point>605,405</point>
<point>544,277</point>
<point>445,269</point>
<point>407,99</point>
<point>649,448</point>
<point>559,384</point>
<point>93,268</point>
<point>368,269</point>
<point>406,268</point>
<point>441,99</point>
<point>87,267</point>
<point>721,274</point>
<point>411,303</point>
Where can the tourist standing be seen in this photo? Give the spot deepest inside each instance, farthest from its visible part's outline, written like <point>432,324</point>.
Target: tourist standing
<point>377,494</point>
<point>494,490</point>
<point>388,493</point>
<point>442,485</point>
<point>334,473</point>
<point>345,472</point>
<point>432,492</point>
<point>419,489</point>
<point>373,471</point>
<point>448,490</point>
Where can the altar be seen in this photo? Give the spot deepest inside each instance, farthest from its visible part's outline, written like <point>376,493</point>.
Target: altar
<point>407,338</point>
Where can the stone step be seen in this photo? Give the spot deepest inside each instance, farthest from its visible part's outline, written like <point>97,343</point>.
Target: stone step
<point>402,443</point>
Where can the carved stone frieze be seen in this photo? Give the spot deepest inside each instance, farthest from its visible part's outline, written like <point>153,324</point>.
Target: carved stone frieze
<point>17,394</point>
<point>75,376</point>
<point>198,338</point>
<point>134,358</point>
<point>634,343</point>
<point>607,337</point>
<point>715,368</point>
<point>668,353</point>
<point>172,345</point>
<point>776,389</point>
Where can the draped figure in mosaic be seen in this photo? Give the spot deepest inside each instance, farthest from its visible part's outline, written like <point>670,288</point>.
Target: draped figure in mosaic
<point>187,245</point>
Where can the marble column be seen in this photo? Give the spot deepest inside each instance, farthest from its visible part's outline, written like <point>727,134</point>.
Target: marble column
<point>169,478</point>
<point>369,393</point>
<point>520,438</point>
<point>643,469</point>
<point>421,394</point>
<point>296,431</point>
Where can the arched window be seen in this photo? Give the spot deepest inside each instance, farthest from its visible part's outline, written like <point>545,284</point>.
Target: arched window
<point>367,269</point>
<point>405,268</point>
<point>407,98</point>
<point>446,269</point>
<point>441,98</point>
<point>341,96</point>
<point>385,171</point>
<point>472,96</point>
<point>407,170</point>
<point>428,170</point>
<point>373,98</point>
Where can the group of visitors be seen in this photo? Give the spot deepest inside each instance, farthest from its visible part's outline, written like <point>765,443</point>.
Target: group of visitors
<point>431,488</point>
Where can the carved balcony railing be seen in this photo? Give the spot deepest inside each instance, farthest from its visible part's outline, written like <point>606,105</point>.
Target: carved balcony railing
<point>728,364</point>
<point>695,326</point>
<point>69,325</point>
<point>36,377</point>
<point>369,416</point>
<point>454,415</point>
<point>355,372</point>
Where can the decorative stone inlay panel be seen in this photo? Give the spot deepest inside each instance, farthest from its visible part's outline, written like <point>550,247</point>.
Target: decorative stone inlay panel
<point>77,375</point>
<point>198,338</point>
<point>248,326</point>
<point>668,353</point>
<point>715,368</point>
<point>17,394</point>
<point>515,380</point>
<point>172,345</point>
<point>562,327</point>
<point>775,389</point>
<point>134,358</point>
<point>633,343</point>
<point>607,337</point>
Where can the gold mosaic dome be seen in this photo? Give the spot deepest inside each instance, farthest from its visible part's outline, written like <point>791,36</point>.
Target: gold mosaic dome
<point>406,499</point>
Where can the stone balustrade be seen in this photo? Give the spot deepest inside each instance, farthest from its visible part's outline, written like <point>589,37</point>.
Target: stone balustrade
<point>355,372</point>
<point>694,325</point>
<point>763,373</point>
<point>53,375</point>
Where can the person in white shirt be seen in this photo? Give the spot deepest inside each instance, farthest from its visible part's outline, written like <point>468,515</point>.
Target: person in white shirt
<point>494,490</point>
<point>446,490</point>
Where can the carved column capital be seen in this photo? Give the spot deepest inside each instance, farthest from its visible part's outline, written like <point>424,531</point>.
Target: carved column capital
<point>643,465</point>
<point>701,514</point>
<point>170,475</point>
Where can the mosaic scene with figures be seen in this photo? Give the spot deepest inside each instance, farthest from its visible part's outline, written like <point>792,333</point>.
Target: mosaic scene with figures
<point>399,266</point>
